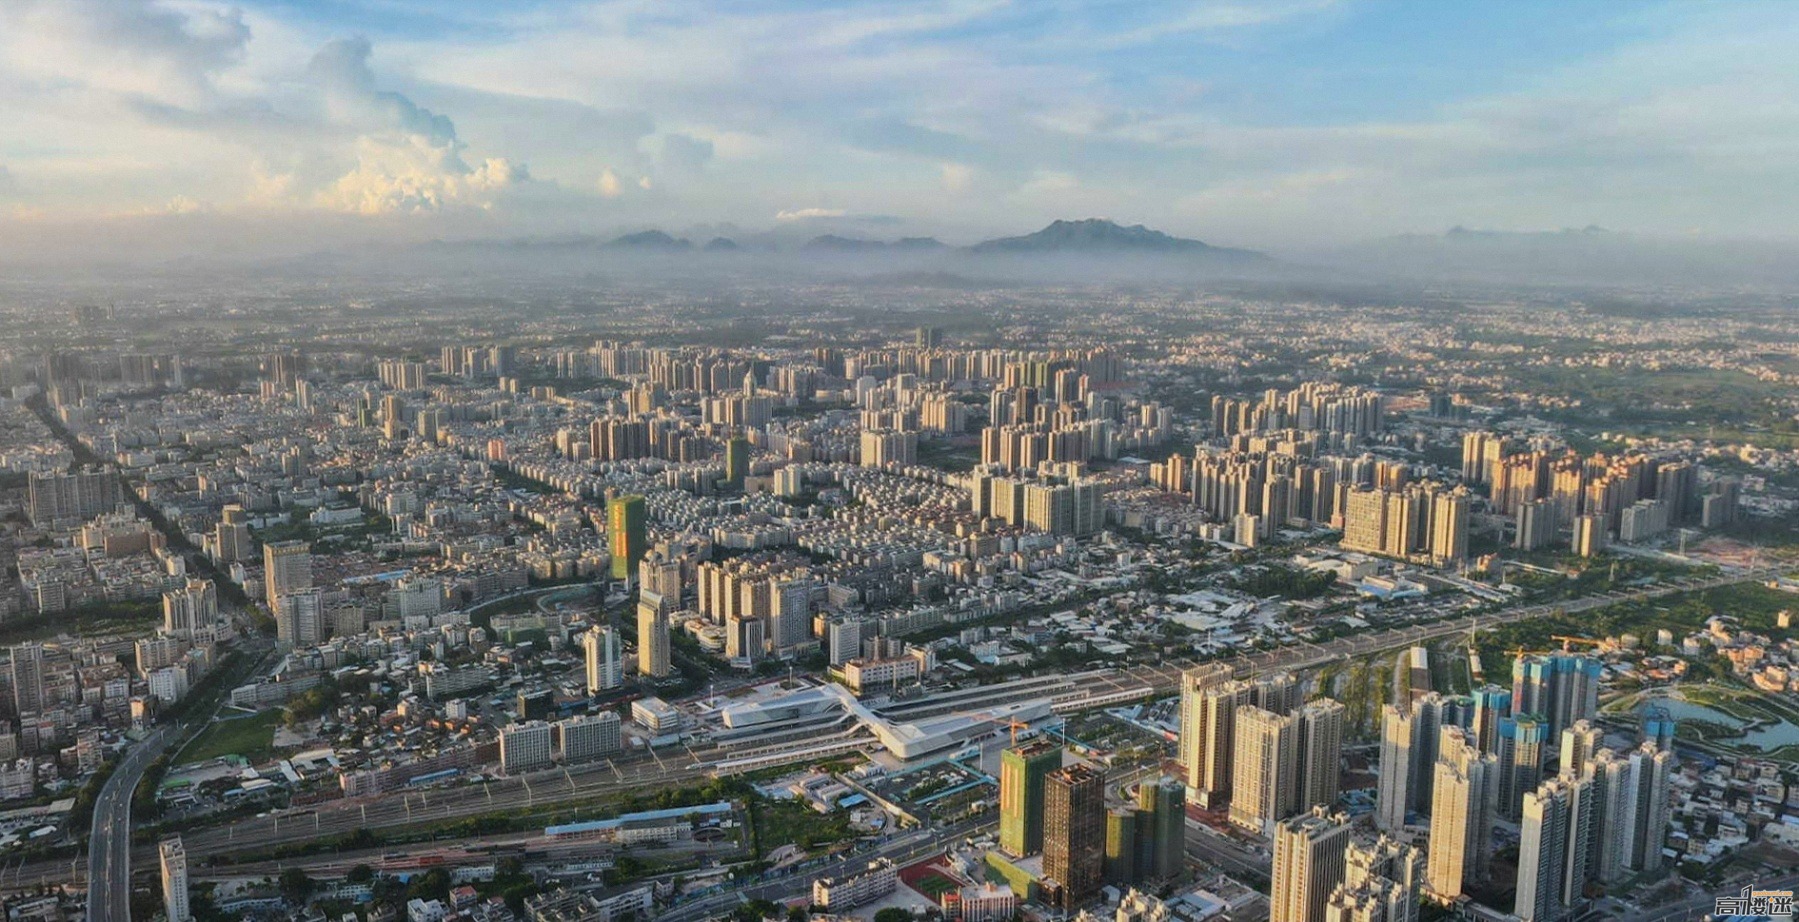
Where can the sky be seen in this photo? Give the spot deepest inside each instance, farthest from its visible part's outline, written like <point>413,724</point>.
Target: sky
<point>1267,123</point>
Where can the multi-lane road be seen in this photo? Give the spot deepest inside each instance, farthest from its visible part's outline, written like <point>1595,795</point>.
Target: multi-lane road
<point>109,845</point>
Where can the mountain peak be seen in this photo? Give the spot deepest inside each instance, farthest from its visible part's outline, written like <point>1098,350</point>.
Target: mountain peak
<point>1101,235</point>
<point>650,240</point>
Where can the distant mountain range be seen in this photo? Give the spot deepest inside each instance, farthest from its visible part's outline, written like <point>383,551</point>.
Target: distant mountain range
<point>1097,235</point>
<point>1092,237</point>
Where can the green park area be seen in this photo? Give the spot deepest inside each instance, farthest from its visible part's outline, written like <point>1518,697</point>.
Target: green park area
<point>252,737</point>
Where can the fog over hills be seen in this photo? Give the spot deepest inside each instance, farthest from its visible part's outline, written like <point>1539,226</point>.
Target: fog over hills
<point>852,249</point>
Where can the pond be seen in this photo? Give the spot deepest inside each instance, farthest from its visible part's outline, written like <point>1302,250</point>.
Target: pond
<point>1768,735</point>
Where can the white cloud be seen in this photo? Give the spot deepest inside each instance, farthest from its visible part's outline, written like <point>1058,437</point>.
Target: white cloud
<point>809,214</point>
<point>956,176</point>
<point>609,184</point>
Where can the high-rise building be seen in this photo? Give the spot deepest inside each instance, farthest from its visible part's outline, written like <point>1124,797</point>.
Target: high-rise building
<point>627,527</point>
<point>174,880</point>
<point>1021,773</point>
<point>1463,799</point>
<point>1449,527</point>
<point>1122,838</point>
<point>790,614</point>
<point>1384,874</point>
<point>28,678</point>
<point>1580,742</point>
<point>299,619</point>
<point>1522,741</point>
<point>1161,829</point>
<point>1310,862</point>
<point>1074,831</point>
<point>286,568</point>
<point>1589,534</point>
<point>1559,687</point>
<point>1264,769</point>
<point>1552,848</point>
<point>653,642</point>
<point>1492,703</point>
<point>1654,775</point>
<point>1431,711</point>
<point>525,747</point>
<point>1537,524</point>
<point>1212,742</point>
<point>605,667</point>
<point>1320,752</point>
<point>1614,778</point>
<point>737,461</point>
<point>1393,795</point>
<point>1193,732</point>
<point>231,540</point>
<point>194,605</point>
<point>588,737</point>
<point>72,496</point>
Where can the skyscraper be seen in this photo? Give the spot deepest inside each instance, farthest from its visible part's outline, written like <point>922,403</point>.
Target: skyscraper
<point>193,605</point>
<point>1320,752</point>
<point>626,533</point>
<point>653,643</point>
<point>1552,848</point>
<point>1654,774</point>
<point>28,678</point>
<point>1393,795</point>
<point>174,880</point>
<point>1194,737</point>
<point>1431,711</point>
<point>1161,829</point>
<point>1560,687</point>
<point>299,619</point>
<point>286,568</point>
<point>1521,750</point>
<point>1213,717</point>
<point>737,461</point>
<point>1614,778</point>
<point>1074,831</point>
<point>605,669</point>
<point>1492,703</point>
<point>1309,864</point>
<point>1463,799</point>
<point>1122,837</point>
<point>1021,773</point>
<point>1580,741</point>
<point>1380,883</point>
<point>1264,769</point>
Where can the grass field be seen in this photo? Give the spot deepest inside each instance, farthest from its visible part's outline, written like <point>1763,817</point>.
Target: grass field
<point>251,737</point>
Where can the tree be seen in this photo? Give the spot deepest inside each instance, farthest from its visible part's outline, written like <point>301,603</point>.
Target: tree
<point>893,914</point>
<point>360,874</point>
<point>798,914</point>
<point>295,886</point>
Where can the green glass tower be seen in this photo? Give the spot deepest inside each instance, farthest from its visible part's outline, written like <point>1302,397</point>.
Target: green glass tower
<point>1021,773</point>
<point>1161,829</point>
<point>1122,833</point>
<point>737,461</point>
<point>627,531</point>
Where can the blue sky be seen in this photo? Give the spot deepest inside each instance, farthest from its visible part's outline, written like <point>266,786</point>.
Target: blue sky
<point>1279,123</point>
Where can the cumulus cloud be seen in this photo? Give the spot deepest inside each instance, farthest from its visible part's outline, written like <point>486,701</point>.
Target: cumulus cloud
<point>609,184</point>
<point>956,176</point>
<point>147,51</point>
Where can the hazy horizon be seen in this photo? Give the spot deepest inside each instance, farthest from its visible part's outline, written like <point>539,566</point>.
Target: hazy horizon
<point>274,128</point>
